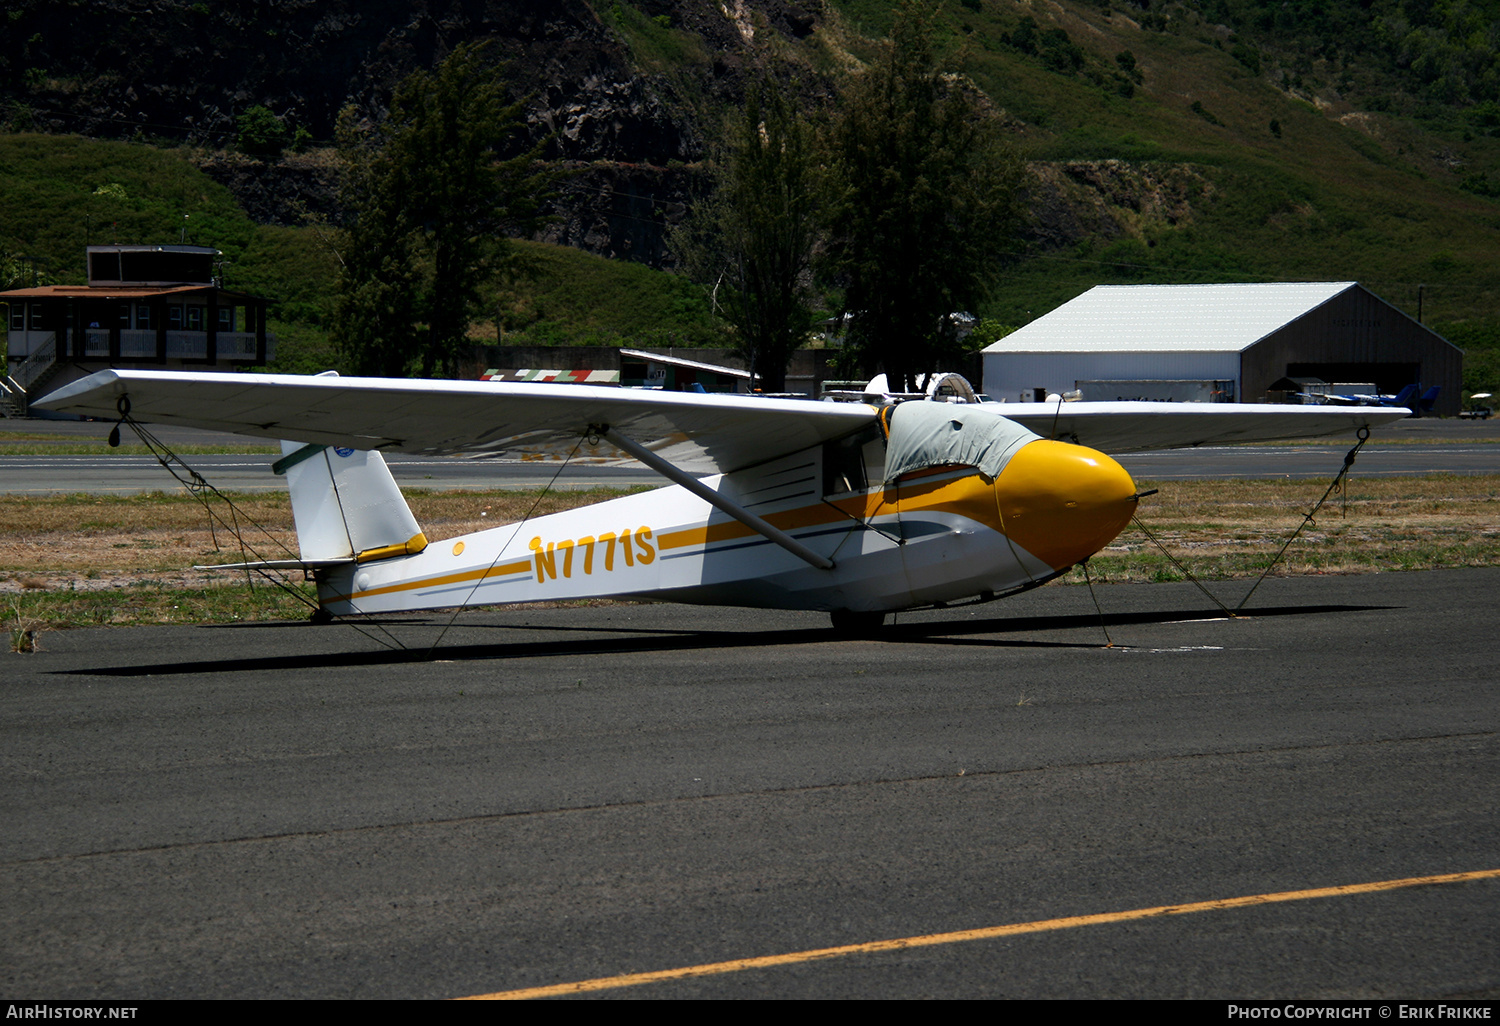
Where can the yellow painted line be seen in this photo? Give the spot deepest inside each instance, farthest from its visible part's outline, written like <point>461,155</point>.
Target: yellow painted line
<point>988,933</point>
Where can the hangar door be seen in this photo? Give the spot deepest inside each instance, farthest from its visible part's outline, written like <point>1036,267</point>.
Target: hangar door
<point>1389,378</point>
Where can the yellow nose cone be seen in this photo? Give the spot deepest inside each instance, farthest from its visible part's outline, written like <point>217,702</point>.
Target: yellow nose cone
<point>1062,503</point>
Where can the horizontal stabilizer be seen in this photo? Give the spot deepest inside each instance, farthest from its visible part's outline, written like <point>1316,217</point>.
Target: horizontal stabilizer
<point>280,564</point>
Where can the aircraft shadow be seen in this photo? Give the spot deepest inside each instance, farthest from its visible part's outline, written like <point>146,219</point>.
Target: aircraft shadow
<point>646,640</point>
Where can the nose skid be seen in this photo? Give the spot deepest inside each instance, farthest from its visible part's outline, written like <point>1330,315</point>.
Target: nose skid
<point>1062,503</point>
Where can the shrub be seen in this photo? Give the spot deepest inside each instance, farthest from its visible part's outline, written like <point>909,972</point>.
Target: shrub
<point>262,133</point>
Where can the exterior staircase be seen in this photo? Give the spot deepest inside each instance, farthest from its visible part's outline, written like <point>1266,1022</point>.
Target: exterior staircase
<point>28,380</point>
<point>12,399</point>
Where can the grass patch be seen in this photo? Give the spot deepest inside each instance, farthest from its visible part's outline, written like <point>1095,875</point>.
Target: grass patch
<point>1224,530</point>
<point>96,561</point>
<point>154,603</point>
<point>441,514</point>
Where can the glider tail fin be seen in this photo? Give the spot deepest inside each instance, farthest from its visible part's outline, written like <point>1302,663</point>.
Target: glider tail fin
<point>347,505</point>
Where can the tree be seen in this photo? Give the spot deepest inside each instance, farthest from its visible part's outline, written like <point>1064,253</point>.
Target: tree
<point>430,204</point>
<point>923,204</point>
<point>752,239</point>
<point>261,132</point>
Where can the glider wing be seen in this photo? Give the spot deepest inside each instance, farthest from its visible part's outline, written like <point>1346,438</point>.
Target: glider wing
<point>1135,426</point>
<point>697,432</point>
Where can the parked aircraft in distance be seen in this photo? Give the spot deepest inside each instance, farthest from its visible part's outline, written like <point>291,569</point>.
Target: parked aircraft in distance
<point>852,508</point>
<point>1406,398</point>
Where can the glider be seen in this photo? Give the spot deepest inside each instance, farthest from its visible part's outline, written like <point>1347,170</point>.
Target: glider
<point>851,508</point>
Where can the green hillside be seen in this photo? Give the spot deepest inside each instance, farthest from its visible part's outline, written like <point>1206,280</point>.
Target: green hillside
<point>570,297</point>
<point>1290,183</point>
<point>1181,142</point>
<point>59,194</point>
<point>1252,147</point>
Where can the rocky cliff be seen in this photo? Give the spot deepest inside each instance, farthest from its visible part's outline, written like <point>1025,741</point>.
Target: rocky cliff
<point>622,96</point>
<point>617,93</point>
<point>184,72</point>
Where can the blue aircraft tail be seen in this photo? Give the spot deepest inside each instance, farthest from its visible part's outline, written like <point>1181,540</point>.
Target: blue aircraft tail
<point>1406,397</point>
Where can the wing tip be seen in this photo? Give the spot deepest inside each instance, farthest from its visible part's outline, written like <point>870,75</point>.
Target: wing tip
<point>91,385</point>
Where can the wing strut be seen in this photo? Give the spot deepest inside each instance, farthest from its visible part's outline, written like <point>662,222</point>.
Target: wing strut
<point>710,496</point>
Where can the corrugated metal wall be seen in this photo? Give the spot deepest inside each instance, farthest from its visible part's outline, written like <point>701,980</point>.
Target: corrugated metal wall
<point>1357,336</point>
<point>1008,375</point>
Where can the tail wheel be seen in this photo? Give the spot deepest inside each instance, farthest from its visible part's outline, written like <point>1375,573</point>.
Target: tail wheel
<point>856,624</point>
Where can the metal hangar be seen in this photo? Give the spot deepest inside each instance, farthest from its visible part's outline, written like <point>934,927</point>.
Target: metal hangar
<point>1220,343</point>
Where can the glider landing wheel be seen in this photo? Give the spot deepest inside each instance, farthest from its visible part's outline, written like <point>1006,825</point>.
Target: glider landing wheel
<point>855,624</point>
<point>319,617</point>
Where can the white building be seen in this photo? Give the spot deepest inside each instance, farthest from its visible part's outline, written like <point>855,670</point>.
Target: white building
<point>1218,343</point>
<point>143,306</point>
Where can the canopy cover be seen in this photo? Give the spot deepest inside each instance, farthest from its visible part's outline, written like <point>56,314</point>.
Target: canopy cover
<point>941,434</point>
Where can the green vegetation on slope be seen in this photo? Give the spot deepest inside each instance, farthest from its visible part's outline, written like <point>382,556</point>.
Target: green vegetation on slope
<point>296,268</point>
<point>49,211</point>
<point>1237,157</point>
<point>569,297</point>
<point>59,194</point>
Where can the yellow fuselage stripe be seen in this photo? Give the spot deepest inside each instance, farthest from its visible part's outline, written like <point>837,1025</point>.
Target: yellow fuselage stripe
<point>1010,930</point>
<point>524,566</point>
<point>928,495</point>
<point>951,495</point>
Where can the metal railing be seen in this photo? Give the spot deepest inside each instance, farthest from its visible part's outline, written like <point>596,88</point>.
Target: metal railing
<point>181,345</point>
<point>43,356</point>
<point>134,345</point>
<point>228,345</point>
<point>12,398</point>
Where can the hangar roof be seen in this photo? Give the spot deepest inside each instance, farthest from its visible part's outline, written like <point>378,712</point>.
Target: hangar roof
<point>1169,318</point>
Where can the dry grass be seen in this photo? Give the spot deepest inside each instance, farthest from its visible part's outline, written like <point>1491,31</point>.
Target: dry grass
<point>99,560</point>
<point>23,629</point>
<point>442,514</point>
<point>1224,529</point>
<point>94,543</point>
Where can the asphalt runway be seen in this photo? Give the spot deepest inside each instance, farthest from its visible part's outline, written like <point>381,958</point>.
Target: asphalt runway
<point>1417,446</point>
<point>564,795</point>
<point>128,475</point>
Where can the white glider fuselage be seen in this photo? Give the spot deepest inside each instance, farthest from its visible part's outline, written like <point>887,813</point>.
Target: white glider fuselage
<point>940,535</point>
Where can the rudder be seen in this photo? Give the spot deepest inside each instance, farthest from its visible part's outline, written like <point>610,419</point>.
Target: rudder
<point>346,504</point>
